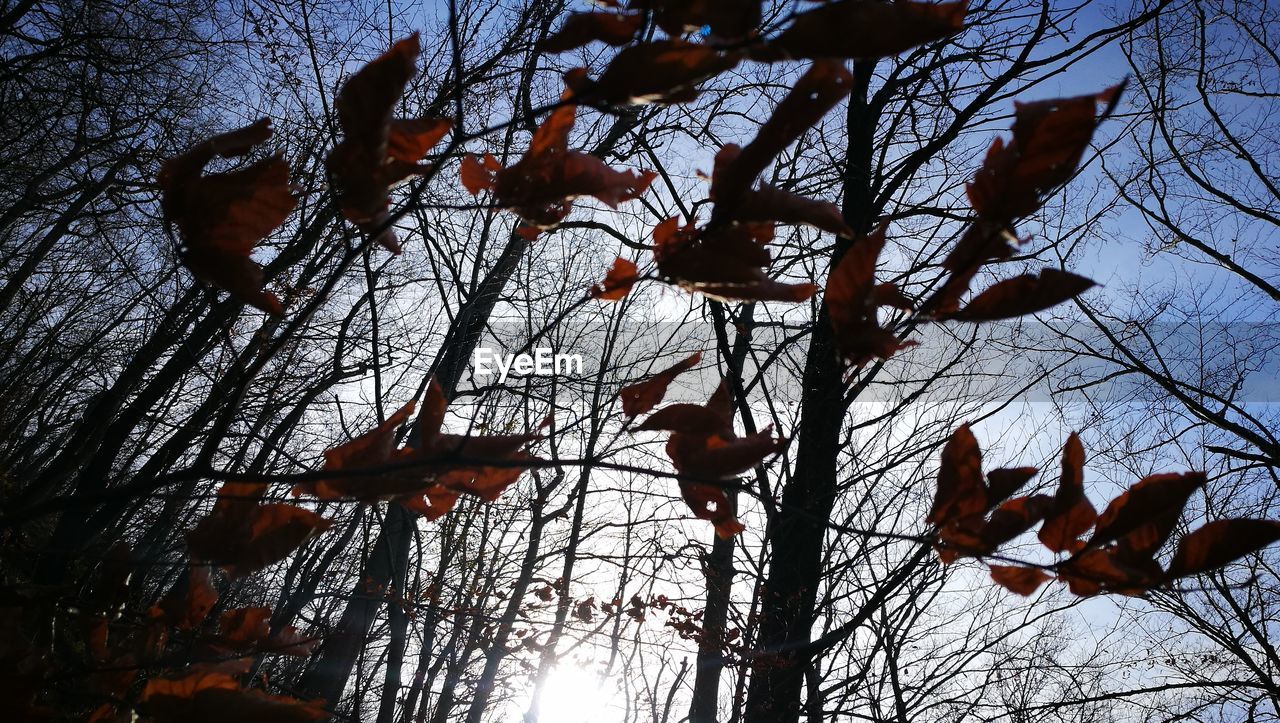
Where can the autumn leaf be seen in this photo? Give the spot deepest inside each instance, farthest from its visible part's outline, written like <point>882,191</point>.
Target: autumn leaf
<point>659,71</point>
<point>541,186</point>
<point>852,300</point>
<point>424,475</point>
<point>1023,295</point>
<point>822,86</point>
<point>1144,516</point>
<point>1072,513</point>
<point>961,490</point>
<point>189,601</point>
<point>766,203</point>
<point>725,20</point>
<point>642,396</point>
<point>1019,579</point>
<point>580,29</point>
<point>221,217</point>
<point>1221,542</point>
<point>248,630</point>
<point>863,29</point>
<point>725,263</point>
<point>704,445</point>
<point>211,696</point>
<point>1104,570</point>
<point>244,536</point>
<point>371,449</point>
<point>378,151</point>
<point>617,283</point>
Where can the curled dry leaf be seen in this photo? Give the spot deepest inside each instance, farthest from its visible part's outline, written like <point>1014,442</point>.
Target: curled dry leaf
<point>822,86</point>
<point>1144,516</point>
<point>189,601</point>
<point>767,203</point>
<point>423,476</point>
<point>248,631</point>
<point>727,262</point>
<point>1023,295</point>
<point>725,19</point>
<point>1219,543</point>
<point>642,396</point>
<point>579,29</point>
<point>704,445</point>
<point>863,29</point>
<point>378,151</point>
<point>541,186</point>
<point>221,217</point>
<point>216,696</point>
<point>1072,514</point>
<point>618,282</point>
<point>1019,579</point>
<point>659,71</point>
<point>1049,140</point>
<point>852,300</point>
<point>244,536</point>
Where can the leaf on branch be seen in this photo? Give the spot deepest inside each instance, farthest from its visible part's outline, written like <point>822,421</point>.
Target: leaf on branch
<point>221,217</point>
<point>726,19</point>
<point>767,203</point>
<point>1144,516</point>
<point>863,29</point>
<point>1219,543</point>
<point>541,186</point>
<point>820,89</point>
<point>704,445</point>
<point>1022,295</point>
<point>248,631</point>
<point>244,536</point>
<point>378,151</point>
<point>1019,579</point>
<point>187,605</point>
<point>205,695</point>
<point>425,476</point>
<point>617,283</point>
<point>1072,513</point>
<point>659,71</point>
<point>853,298</point>
<point>726,262</point>
<point>579,29</point>
<point>642,396</point>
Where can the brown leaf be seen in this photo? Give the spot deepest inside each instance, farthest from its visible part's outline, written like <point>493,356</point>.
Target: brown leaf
<point>852,299</point>
<point>1072,514</point>
<point>863,29</point>
<point>726,19</point>
<point>371,449</point>
<point>541,186</point>
<point>479,174</point>
<point>1049,139</point>
<point>1019,579</point>
<point>1144,516</point>
<point>206,696</point>
<point>187,605</point>
<point>580,29</point>
<point>642,396</point>
<point>961,491</point>
<point>659,71</point>
<point>617,283</point>
<point>1023,295</point>
<point>244,536</point>
<point>221,217</point>
<point>1103,570</point>
<point>1219,543</point>
<point>1002,483</point>
<point>824,85</point>
<point>377,151</point>
<point>725,263</point>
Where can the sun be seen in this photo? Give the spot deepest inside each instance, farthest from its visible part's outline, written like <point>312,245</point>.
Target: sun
<point>572,694</point>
